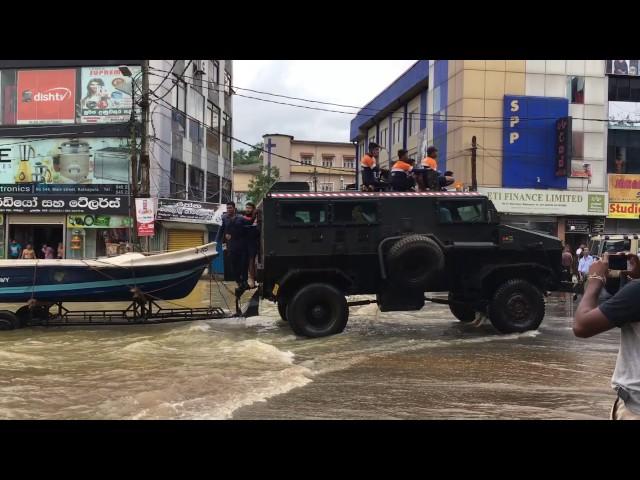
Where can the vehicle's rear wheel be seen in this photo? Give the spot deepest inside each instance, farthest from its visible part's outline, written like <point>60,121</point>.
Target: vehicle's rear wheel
<point>8,320</point>
<point>463,312</point>
<point>318,310</point>
<point>516,306</point>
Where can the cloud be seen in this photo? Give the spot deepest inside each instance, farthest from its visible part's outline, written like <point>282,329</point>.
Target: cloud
<point>348,82</point>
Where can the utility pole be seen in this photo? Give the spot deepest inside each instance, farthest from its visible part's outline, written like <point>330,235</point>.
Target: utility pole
<point>474,180</point>
<point>133,192</point>
<point>315,179</point>
<point>144,155</point>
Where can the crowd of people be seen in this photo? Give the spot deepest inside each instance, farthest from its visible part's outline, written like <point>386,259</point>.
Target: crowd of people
<point>239,235</point>
<point>404,175</point>
<point>47,252</point>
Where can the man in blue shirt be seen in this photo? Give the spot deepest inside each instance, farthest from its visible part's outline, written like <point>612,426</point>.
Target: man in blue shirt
<point>585,262</point>
<point>234,234</point>
<point>15,249</point>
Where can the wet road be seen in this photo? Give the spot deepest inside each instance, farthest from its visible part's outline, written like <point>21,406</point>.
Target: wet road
<point>408,365</point>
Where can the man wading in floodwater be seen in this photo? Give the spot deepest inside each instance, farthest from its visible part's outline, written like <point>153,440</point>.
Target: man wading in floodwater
<point>621,310</point>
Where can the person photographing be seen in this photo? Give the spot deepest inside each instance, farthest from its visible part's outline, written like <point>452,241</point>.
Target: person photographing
<point>621,310</point>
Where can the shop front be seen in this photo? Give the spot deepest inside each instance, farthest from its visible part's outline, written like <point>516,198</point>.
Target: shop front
<point>569,215</point>
<point>80,221</point>
<point>186,223</point>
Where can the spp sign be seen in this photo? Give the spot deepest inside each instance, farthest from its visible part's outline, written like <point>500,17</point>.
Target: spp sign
<point>514,120</point>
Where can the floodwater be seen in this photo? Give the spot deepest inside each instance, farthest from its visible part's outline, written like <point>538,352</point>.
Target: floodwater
<point>395,365</point>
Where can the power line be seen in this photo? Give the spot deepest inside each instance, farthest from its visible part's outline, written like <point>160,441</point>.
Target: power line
<point>165,77</point>
<point>180,78</point>
<point>449,117</point>
<point>338,169</point>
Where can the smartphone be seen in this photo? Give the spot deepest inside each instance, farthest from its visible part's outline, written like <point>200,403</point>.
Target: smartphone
<point>617,262</point>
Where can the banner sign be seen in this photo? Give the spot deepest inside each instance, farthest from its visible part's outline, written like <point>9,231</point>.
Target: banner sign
<point>186,211</point>
<point>20,203</point>
<point>98,221</point>
<point>30,188</point>
<point>624,188</point>
<point>106,97</point>
<point>145,214</point>
<point>546,202</point>
<point>563,146</point>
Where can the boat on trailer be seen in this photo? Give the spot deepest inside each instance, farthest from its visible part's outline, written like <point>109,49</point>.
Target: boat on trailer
<point>141,279</point>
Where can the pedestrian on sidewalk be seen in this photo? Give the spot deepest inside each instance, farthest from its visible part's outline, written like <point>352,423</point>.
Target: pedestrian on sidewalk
<point>622,310</point>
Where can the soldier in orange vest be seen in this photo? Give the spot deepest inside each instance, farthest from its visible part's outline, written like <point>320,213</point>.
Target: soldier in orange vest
<point>402,172</point>
<point>430,161</point>
<point>369,165</point>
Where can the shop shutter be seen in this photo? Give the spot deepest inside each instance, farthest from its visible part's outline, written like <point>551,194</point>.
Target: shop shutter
<point>181,239</point>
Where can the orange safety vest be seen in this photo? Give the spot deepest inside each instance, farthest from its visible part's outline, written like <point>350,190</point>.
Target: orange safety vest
<point>430,162</point>
<point>368,161</point>
<point>401,166</point>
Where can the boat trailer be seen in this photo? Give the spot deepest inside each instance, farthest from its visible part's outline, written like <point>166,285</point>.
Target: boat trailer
<point>141,311</point>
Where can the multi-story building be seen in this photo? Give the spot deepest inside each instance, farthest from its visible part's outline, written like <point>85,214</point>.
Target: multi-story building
<point>66,151</point>
<point>623,146</point>
<point>65,155</point>
<point>242,176</point>
<point>525,115</point>
<point>326,166</point>
<point>191,158</point>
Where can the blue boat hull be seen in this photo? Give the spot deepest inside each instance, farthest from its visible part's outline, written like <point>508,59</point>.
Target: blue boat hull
<point>111,283</point>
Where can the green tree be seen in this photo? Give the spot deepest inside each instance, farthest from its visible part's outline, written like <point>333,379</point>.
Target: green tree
<point>260,184</point>
<point>244,157</point>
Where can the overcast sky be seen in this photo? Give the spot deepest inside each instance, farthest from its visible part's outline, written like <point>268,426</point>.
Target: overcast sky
<point>347,82</point>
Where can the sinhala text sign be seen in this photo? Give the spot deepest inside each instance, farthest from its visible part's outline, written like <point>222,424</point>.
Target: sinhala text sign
<point>186,211</point>
<point>547,202</point>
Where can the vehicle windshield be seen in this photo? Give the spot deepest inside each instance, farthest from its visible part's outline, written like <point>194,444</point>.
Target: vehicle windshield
<point>615,246</point>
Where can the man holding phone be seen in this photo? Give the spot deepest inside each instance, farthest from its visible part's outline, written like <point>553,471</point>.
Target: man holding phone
<point>622,310</point>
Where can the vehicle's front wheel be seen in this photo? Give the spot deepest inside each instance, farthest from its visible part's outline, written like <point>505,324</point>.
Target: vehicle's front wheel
<point>318,310</point>
<point>461,311</point>
<point>516,306</point>
<point>282,308</point>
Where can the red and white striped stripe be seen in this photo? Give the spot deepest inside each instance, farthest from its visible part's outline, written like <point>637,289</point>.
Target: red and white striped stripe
<point>375,194</point>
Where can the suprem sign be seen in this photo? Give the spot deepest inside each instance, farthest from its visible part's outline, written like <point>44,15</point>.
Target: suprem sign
<point>547,202</point>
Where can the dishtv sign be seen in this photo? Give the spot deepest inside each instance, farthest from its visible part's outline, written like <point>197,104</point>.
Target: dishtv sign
<point>46,96</point>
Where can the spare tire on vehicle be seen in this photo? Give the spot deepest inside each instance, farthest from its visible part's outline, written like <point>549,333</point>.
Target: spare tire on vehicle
<point>413,261</point>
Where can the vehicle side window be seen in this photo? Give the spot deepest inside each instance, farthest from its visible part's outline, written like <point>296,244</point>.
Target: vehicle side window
<point>594,248</point>
<point>303,213</point>
<point>355,212</point>
<point>461,211</point>
<point>615,246</point>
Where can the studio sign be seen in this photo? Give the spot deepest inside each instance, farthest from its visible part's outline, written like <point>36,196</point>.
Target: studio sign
<point>22,203</point>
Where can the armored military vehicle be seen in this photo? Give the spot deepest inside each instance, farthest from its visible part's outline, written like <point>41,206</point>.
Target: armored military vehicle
<point>319,248</point>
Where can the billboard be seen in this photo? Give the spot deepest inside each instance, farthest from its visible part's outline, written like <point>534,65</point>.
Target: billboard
<point>624,210</point>
<point>530,141</point>
<point>622,67</point>
<point>36,204</point>
<point>624,115</point>
<point>145,214</point>
<point>624,188</point>
<point>98,221</point>
<point>64,161</point>
<point>46,96</point>
<point>105,95</point>
<point>546,202</point>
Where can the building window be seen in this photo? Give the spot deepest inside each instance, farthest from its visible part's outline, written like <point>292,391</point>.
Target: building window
<point>624,89</point>
<point>326,186</point>
<point>181,96</point>
<point>623,151</point>
<point>327,161</point>
<point>226,135</point>
<point>414,122</point>
<point>397,131</point>
<point>384,135</point>
<point>227,83</point>
<point>348,162</point>
<point>196,183</point>
<point>178,179</point>
<point>225,192</point>
<point>576,89</point>
<point>212,120</point>
<point>306,159</point>
<point>213,188</point>
<point>342,185</point>
<point>372,139</point>
<point>362,150</point>
<point>437,99</point>
<point>215,72</point>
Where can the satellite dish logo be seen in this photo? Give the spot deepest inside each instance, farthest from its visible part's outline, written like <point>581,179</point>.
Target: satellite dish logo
<point>57,94</point>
